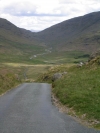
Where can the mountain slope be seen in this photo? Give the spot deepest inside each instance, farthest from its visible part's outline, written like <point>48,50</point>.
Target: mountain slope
<point>77,34</point>
<point>80,33</point>
<point>13,33</point>
<point>12,37</point>
<point>17,44</point>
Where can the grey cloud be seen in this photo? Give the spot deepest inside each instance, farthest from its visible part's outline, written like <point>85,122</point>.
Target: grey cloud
<point>40,15</point>
<point>19,8</point>
<point>65,8</point>
<point>16,11</point>
<point>25,13</point>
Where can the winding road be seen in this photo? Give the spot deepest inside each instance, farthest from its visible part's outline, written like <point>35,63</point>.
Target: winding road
<point>28,109</point>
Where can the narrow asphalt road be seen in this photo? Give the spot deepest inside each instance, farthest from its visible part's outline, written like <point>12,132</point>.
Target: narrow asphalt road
<point>28,109</point>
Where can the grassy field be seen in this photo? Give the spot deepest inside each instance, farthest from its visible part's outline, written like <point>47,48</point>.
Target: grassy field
<point>79,90</point>
<point>32,71</point>
<point>15,52</point>
<point>28,69</point>
<point>66,57</point>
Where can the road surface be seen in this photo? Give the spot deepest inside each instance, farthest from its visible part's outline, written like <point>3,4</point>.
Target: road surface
<point>28,109</point>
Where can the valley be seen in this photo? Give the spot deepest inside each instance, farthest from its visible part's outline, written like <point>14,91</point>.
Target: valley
<point>68,42</point>
<point>27,56</point>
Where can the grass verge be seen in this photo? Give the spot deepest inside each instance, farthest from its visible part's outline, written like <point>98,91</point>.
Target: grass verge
<point>9,78</point>
<point>79,90</point>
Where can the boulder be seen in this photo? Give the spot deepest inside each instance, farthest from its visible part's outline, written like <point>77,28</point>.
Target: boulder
<point>56,76</point>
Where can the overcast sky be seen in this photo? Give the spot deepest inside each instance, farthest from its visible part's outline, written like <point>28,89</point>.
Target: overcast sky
<point>40,14</point>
